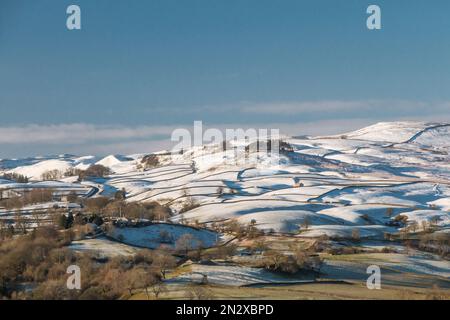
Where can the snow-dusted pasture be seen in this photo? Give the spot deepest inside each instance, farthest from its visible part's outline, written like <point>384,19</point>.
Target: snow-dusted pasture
<point>152,236</point>
<point>103,247</point>
<point>232,275</point>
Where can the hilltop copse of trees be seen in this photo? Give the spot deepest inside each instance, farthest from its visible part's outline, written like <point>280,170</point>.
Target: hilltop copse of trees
<point>96,170</point>
<point>150,161</point>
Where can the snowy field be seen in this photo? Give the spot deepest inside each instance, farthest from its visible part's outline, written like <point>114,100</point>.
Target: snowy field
<point>416,269</point>
<point>151,236</point>
<point>103,247</point>
<point>359,180</point>
<point>232,275</point>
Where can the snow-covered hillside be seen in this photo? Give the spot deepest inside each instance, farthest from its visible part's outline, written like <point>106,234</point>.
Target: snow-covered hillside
<point>322,185</point>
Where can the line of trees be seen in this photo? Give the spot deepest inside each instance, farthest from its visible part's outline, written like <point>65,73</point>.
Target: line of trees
<point>96,171</point>
<point>16,177</point>
<point>32,196</point>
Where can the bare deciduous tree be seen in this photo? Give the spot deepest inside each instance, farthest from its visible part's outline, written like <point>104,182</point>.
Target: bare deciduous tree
<point>163,261</point>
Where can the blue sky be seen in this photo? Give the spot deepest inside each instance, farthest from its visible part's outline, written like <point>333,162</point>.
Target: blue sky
<point>146,67</point>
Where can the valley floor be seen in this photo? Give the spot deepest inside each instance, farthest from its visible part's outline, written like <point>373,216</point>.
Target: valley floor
<point>320,291</point>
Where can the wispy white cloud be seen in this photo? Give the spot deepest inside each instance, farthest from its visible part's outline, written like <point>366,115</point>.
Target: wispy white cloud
<point>77,133</point>
<point>344,107</point>
<point>84,138</point>
<point>305,107</point>
<point>101,140</point>
<point>319,109</point>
